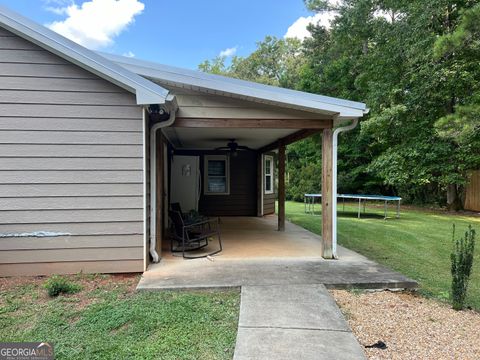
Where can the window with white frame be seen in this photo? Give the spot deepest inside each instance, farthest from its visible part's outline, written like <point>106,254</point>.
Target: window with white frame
<point>216,175</point>
<point>268,174</point>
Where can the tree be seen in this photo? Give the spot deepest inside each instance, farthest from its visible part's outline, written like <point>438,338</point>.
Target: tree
<point>274,62</point>
<point>215,66</point>
<point>415,64</point>
<point>462,126</point>
<point>382,52</point>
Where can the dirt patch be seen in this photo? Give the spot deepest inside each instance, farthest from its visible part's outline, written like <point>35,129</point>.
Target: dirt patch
<point>92,284</point>
<point>10,283</point>
<point>30,288</point>
<point>411,326</point>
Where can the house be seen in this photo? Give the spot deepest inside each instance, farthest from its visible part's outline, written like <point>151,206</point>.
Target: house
<point>89,143</point>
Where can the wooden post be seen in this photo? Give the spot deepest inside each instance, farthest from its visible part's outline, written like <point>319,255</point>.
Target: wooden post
<point>327,193</point>
<point>281,187</point>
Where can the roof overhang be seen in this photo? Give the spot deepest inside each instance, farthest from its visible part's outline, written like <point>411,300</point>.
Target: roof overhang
<point>339,109</point>
<point>146,91</point>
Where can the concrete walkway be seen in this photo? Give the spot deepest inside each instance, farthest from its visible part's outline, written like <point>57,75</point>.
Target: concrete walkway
<point>293,322</point>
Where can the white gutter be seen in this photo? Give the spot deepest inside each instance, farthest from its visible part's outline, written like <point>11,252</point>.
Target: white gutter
<point>153,183</point>
<point>334,182</point>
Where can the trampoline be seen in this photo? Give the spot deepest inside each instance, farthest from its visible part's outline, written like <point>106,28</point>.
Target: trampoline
<point>309,201</point>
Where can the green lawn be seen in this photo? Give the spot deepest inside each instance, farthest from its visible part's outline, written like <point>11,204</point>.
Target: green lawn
<point>418,244</point>
<point>108,320</point>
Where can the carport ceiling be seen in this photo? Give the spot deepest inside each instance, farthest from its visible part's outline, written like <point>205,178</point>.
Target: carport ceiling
<point>211,138</point>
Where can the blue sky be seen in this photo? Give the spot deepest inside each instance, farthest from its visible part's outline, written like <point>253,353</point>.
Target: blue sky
<point>176,32</point>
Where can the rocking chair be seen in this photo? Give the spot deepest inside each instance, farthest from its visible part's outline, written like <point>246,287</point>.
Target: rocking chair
<point>187,218</point>
<point>193,236</point>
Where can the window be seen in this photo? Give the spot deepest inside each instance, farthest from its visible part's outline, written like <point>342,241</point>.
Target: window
<point>268,172</point>
<point>216,175</point>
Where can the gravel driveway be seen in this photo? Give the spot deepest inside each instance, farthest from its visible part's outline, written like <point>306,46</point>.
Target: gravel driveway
<point>411,326</point>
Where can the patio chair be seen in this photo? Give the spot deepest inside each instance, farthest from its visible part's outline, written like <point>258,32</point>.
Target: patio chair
<point>193,236</point>
<point>187,218</point>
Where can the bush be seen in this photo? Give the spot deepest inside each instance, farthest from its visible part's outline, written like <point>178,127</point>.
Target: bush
<point>57,285</point>
<point>462,260</point>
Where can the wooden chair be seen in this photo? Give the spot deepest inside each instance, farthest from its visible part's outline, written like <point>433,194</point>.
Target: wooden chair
<point>193,236</point>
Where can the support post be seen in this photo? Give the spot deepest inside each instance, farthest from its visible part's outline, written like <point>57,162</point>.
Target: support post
<point>281,187</point>
<point>327,194</point>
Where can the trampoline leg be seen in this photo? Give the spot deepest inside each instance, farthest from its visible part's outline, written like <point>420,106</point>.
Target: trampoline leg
<point>359,207</point>
<point>343,204</point>
<point>398,209</point>
<point>385,210</point>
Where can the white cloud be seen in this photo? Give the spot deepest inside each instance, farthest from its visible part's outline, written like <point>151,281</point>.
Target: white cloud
<point>95,23</point>
<point>129,54</point>
<point>58,7</point>
<point>57,10</point>
<point>299,28</point>
<point>228,52</point>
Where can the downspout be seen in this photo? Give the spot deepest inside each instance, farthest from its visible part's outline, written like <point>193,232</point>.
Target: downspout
<point>153,182</point>
<point>337,131</point>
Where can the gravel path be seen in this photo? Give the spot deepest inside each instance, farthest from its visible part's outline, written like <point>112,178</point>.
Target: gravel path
<point>411,326</point>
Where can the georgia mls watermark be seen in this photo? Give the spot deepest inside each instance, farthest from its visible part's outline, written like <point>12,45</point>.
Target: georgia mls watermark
<point>26,351</point>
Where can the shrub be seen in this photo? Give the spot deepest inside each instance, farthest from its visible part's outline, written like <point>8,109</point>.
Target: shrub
<point>56,285</point>
<point>462,260</point>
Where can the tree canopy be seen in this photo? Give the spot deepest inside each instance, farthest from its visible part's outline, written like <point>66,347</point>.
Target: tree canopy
<point>415,64</point>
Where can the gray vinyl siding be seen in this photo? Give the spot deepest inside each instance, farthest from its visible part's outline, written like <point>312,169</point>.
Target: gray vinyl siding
<point>146,155</point>
<point>71,162</point>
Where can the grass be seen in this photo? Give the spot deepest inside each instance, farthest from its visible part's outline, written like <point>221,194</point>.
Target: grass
<point>108,320</point>
<point>418,244</point>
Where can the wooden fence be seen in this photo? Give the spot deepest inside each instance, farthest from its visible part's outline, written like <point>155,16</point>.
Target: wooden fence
<point>472,193</point>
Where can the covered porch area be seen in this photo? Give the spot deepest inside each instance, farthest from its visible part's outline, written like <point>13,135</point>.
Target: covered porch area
<point>257,238</point>
<point>220,150</point>
<point>235,171</point>
<point>255,253</point>
<point>233,135</point>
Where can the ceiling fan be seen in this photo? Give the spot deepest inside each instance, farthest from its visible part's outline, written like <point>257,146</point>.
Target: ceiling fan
<point>233,147</point>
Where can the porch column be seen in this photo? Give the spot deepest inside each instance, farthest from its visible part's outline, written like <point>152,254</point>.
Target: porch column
<point>281,186</point>
<point>327,193</point>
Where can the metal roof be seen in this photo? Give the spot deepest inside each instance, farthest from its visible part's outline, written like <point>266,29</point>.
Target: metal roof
<point>246,90</point>
<point>146,91</point>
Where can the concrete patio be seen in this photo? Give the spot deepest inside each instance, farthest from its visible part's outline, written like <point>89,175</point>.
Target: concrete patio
<point>256,254</point>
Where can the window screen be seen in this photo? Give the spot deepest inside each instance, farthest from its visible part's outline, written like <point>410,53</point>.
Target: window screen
<point>216,179</point>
